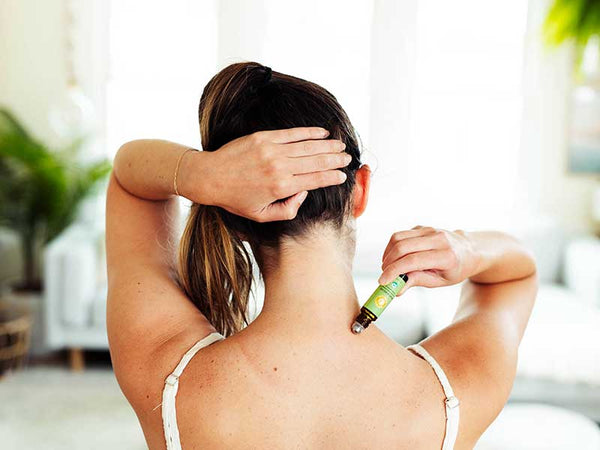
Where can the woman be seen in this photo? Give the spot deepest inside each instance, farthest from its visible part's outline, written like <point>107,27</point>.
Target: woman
<point>281,171</point>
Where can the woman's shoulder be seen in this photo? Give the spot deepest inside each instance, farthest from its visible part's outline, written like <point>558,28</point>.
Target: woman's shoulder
<point>142,369</point>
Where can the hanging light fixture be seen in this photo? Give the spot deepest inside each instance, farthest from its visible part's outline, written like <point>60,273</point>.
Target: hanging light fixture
<point>74,115</point>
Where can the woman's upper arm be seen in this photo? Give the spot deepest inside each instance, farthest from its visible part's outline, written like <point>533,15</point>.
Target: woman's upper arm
<point>479,350</point>
<point>146,308</point>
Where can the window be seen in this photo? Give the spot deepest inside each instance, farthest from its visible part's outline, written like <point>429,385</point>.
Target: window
<point>433,87</point>
<point>161,56</point>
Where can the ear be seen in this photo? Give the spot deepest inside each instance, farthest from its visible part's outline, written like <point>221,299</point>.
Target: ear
<point>360,196</point>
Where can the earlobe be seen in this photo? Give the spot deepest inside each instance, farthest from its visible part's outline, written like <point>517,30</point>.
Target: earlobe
<point>361,190</point>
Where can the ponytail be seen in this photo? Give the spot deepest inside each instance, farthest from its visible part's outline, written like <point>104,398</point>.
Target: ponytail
<point>215,269</point>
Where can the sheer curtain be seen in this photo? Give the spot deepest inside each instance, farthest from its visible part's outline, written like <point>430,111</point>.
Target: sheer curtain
<point>433,88</point>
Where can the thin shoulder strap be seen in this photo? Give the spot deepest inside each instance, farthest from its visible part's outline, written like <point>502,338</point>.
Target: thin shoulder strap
<point>169,414</point>
<point>452,403</point>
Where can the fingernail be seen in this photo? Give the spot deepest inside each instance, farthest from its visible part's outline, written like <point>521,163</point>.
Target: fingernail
<point>324,132</point>
<point>343,145</point>
<point>303,196</point>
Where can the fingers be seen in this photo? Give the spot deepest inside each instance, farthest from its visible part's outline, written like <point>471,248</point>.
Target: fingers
<point>317,163</point>
<point>314,147</point>
<point>422,278</point>
<point>292,134</point>
<point>398,249</point>
<point>400,235</point>
<point>285,210</point>
<point>316,180</point>
<point>426,260</point>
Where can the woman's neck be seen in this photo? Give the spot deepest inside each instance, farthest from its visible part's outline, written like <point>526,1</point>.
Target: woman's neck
<point>311,290</point>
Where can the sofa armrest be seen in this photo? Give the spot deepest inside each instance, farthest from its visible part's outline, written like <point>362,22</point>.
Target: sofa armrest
<point>70,273</point>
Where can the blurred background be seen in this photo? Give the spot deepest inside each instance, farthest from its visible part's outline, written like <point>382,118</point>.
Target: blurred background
<point>473,114</point>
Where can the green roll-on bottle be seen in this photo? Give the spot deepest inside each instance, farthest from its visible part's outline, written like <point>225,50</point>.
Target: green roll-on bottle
<point>377,303</point>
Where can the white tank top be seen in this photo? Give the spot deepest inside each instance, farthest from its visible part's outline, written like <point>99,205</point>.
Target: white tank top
<point>451,402</point>
<point>169,414</point>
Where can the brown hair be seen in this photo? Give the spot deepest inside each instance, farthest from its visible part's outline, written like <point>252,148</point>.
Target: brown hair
<point>215,268</point>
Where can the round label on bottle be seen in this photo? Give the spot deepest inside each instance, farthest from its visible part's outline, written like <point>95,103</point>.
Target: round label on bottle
<point>380,301</point>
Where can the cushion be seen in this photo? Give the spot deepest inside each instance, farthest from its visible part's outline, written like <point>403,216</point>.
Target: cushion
<point>561,342</point>
<point>540,427</point>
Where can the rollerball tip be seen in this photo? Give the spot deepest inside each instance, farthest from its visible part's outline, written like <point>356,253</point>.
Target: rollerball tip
<point>357,328</point>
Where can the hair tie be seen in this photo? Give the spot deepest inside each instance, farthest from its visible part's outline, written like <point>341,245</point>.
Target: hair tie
<point>268,73</point>
<point>259,82</point>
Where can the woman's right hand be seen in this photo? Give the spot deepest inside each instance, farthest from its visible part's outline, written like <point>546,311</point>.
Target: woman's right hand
<point>429,257</point>
<point>249,174</point>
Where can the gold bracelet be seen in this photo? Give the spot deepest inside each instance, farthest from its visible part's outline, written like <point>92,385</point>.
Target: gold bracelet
<point>177,171</point>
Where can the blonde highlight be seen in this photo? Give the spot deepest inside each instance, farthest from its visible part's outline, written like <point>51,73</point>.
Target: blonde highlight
<point>215,270</point>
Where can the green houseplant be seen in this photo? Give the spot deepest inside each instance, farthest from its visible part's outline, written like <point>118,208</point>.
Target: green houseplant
<point>573,21</point>
<point>40,190</point>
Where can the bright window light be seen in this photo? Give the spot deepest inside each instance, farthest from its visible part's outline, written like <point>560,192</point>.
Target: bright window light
<point>440,112</point>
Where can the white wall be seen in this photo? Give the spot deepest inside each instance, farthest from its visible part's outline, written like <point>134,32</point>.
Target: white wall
<point>32,59</point>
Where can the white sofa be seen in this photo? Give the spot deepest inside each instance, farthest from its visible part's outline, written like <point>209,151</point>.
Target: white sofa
<point>525,426</point>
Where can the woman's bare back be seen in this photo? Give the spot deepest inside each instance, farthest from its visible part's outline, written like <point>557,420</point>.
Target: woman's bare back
<point>258,391</point>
